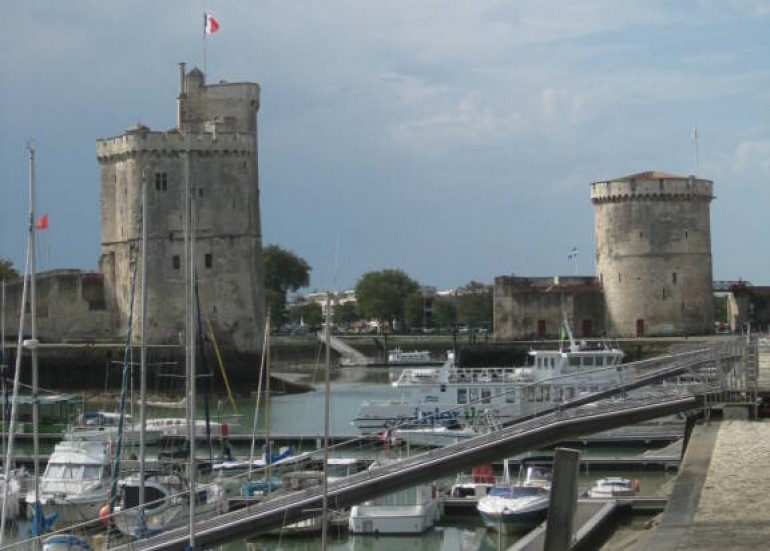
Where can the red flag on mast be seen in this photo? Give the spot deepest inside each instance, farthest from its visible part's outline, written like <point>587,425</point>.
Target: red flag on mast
<point>42,223</point>
<point>211,24</point>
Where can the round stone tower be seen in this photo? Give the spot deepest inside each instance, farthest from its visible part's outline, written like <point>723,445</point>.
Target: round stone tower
<point>214,149</point>
<point>653,254</point>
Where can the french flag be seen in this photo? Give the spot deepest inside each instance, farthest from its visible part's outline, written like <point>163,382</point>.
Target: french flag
<point>210,24</point>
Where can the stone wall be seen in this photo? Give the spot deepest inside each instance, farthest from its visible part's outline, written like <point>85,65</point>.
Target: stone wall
<point>532,308</point>
<point>70,307</point>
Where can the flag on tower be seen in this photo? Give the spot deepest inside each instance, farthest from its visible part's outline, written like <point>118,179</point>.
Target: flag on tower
<point>42,223</point>
<point>211,24</point>
<point>572,254</point>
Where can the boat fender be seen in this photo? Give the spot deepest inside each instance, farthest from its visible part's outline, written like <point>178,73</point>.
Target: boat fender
<point>224,430</point>
<point>433,491</point>
<point>104,514</point>
<point>636,484</point>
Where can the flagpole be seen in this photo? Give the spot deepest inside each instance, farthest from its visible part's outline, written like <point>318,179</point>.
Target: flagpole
<point>205,52</point>
<point>697,152</point>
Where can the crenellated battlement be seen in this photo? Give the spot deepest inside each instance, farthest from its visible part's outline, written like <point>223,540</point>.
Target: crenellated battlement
<point>172,144</point>
<point>652,187</point>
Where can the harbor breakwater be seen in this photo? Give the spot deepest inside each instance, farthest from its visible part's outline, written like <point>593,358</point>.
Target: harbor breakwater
<point>99,366</point>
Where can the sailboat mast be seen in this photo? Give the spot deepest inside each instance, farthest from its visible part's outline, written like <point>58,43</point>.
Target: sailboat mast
<point>325,513</point>
<point>14,403</point>
<point>268,447</point>
<point>190,330</point>
<point>33,334</point>
<point>143,354</point>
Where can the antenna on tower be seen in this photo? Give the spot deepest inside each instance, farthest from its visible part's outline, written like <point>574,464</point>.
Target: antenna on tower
<point>697,150</point>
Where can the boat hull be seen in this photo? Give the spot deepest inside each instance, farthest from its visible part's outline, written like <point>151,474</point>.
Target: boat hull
<point>514,523</point>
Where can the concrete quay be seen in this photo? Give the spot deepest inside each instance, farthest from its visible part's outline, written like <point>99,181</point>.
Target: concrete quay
<point>720,498</point>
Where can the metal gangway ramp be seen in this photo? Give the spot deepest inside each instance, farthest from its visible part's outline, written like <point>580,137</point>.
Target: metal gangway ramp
<point>350,356</point>
<point>717,368</point>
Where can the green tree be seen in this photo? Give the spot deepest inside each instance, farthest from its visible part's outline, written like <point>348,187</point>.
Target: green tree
<point>381,294</point>
<point>444,312</point>
<point>312,314</point>
<point>346,313</point>
<point>413,310</point>
<point>284,272</point>
<point>475,305</point>
<point>276,305</point>
<point>7,271</point>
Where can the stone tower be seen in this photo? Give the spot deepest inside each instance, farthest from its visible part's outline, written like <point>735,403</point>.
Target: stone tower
<point>653,254</point>
<point>214,144</point>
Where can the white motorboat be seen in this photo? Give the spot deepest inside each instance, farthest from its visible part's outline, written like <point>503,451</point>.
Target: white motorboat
<point>411,511</point>
<point>167,503</point>
<point>177,428</point>
<point>450,433</point>
<point>435,396</point>
<point>75,483</point>
<point>519,507</point>
<point>412,357</point>
<point>480,482</point>
<point>612,487</point>
<point>103,425</point>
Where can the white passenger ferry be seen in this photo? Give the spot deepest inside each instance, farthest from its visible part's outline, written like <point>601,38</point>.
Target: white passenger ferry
<point>449,394</point>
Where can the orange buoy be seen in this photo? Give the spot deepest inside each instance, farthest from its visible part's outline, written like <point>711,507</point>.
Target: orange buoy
<point>104,514</point>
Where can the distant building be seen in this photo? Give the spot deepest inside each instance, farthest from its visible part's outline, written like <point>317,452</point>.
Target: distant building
<point>653,263</point>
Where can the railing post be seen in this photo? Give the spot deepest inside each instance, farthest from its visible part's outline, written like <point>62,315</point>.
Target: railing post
<point>563,500</point>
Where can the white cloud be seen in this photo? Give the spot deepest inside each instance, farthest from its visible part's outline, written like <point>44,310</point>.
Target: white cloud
<point>470,120</point>
<point>752,155</point>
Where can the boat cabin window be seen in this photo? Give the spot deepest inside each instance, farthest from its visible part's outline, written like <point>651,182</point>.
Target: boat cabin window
<point>510,396</point>
<point>588,360</point>
<point>92,472</point>
<point>474,395</point>
<point>574,361</point>
<point>486,396</point>
<point>462,395</point>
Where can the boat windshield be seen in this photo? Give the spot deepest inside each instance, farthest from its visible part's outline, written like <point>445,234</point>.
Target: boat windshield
<point>59,471</point>
<point>528,491</point>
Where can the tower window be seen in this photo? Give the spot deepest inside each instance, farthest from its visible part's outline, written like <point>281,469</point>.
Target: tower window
<point>208,260</point>
<point>161,181</point>
<point>618,277</point>
<point>175,261</point>
<point>641,235</point>
<point>686,234</point>
<point>673,277</point>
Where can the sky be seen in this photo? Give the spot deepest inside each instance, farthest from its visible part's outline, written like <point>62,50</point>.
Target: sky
<point>455,141</point>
